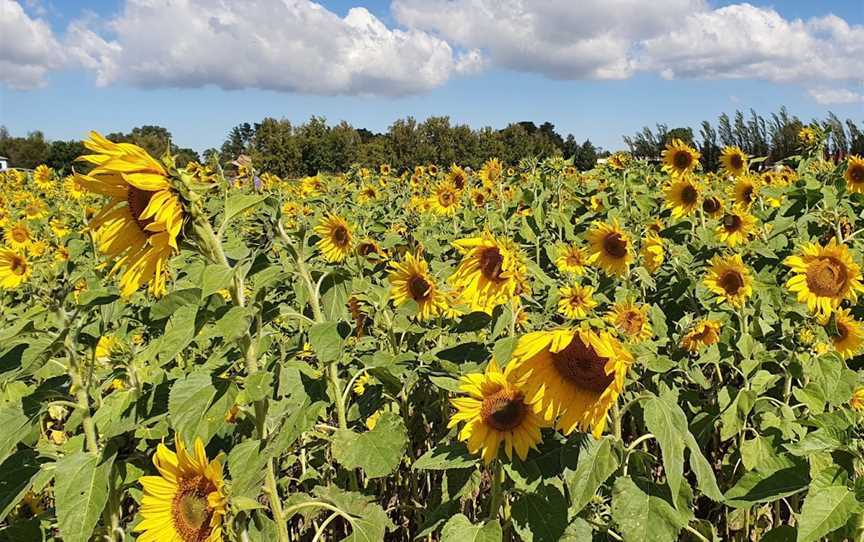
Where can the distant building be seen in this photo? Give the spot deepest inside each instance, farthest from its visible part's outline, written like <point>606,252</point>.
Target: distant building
<point>4,163</point>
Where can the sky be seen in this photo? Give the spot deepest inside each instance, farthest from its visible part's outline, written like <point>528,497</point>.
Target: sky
<point>598,69</point>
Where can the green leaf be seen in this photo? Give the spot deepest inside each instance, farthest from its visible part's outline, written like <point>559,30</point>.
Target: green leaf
<point>237,203</point>
<point>258,386</point>
<point>179,332</point>
<point>460,529</point>
<point>826,510</point>
<point>767,486</point>
<point>378,452</point>
<point>326,341</point>
<point>81,491</point>
<point>643,515</point>
<point>578,531</point>
<point>540,516</point>
<point>369,522</point>
<point>169,304</point>
<point>668,424</point>
<point>597,461</point>
<point>214,278</point>
<point>13,421</point>
<point>196,408</point>
<point>16,477</point>
<point>445,457</point>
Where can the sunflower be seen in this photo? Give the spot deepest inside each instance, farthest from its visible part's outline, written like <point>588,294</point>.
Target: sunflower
<point>479,197</point>
<point>712,206</point>
<point>736,226</point>
<point>850,334</point>
<point>366,194</point>
<point>703,333</point>
<point>855,174</point>
<point>43,176</point>
<point>730,279</point>
<point>139,226</point>
<point>491,272</point>
<point>682,196</point>
<point>491,172</point>
<point>610,248</point>
<point>384,169</point>
<point>14,269</point>
<point>571,259</point>
<point>35,209</point>
<point>186,502</point>
<point>457,177</point>
<point>631,320</point>
<point>18,237</point>
<point>410,281</point>
<point>652,251</point>
<point>371,250</point>
<point>824,276</point>
<point>576,301</point>
<point>808,136</point>
<point>335,242</point>
<point>59,227</point>
<point>857,401</point>
<point>745,190</point>
<point>679,158</point>
<point>496,411</point>
<point>444,199</point>
<point>572,375</point>
<point>734,161</point>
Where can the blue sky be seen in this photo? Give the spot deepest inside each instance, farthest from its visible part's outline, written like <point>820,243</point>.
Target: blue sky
<point>506,81</point>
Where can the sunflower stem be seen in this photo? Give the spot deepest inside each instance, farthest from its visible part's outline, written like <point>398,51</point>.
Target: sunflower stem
<point>497,495</point>
<point>616,421</point>
<point>340,414</point>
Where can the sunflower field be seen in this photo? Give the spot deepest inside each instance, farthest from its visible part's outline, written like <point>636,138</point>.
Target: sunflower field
<point>640,352</point>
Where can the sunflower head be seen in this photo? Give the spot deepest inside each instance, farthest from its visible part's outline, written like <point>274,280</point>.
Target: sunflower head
<point>854,174</point>
<point>824,276</point>
<point>682,196</point>
<point>576,301</point>
<point>857,401</point>
<point>703,333</point>
<point>445,198</point>
<point>652,251</point>
<point>571,259</point>
<point>457,177</point>
<point>630,320</point>
<point>14,269</point>
<point>745,191</point>
<point>610,247</point>
<point>336,238</point>
<point>849,336</point>
<point>734,161</point>
<point>492,271</point>
<point>712,206</point>
<point>679,158</point>
<point>736,226</point>
<point>410,281</point>
<point>730,279</point>
<point>18,236</point>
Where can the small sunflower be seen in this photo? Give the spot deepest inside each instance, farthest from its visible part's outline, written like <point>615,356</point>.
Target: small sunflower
<point>857,401</point>
<point>682,196</point>
<point>367,193</point>
<point>18,237</point>
<point>35,209</point>
<point>855,174</point>
<point>652,251</point>
<point>187,501</point>
<point>495,412</point>
<point>734,161</point>
<point>43,176</point>
<point>384,169</point>
<point>444,199</point>
<point>610,248</point>
<point>457,177</point>
<point>824,276</point>
<point>730,279</point>
<point>59,227</point>
<point>631,320</point>
<point>491,172</point>
<point>703,333</point>
<point>679,158</point>
<point>571,259</point>
<point>335,242</point>
<point>410,280</point>
<point>576,301</point>
<point>712,206</point>
<point>745,190</point>
<point>850,334</point>
<point>479,197</point>
<point>735,227</point>
<point>14,269</point>
<point>572,376</point>
<point>491,272</point>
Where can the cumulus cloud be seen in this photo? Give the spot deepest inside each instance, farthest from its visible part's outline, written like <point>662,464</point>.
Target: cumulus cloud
<point>832,96</point>
<point>28,48</point>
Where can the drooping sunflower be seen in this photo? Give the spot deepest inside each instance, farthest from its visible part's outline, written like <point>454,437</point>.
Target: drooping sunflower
<point>43,176</point>
<point>410,280</point>
<point>745,191</point>
<point>679,158</point>
<point>734,161</point>
<point>139,226</point>
<point>631,320</point>
<point>572,375</point>
<point>187,501</point>
<point>824,276</point>
<point>712,206</point>
<point>652,251</point>
<point>854,174</point>
<point>682,196</point>
<point>336,236</point>
<point>610,248</point>
<point>850,334</point>
<point>730,279</point>
<point>576,301</point>
<point>18,237</point>
<point>491,272</point>
<point>14,269</point>
<point>735,227</point>
<point>571,259</point>
<point>495,412</point>
<point>703,333</point>
<point>444,199</point>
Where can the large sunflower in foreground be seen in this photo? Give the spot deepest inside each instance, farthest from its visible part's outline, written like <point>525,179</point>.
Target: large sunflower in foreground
<point>496,411</point>
<point>610,248</point>
<point>679,158</point>
<point>14,269</point>
<point>335,242</point>
<point>734,161</point>
<point>139,225</point>
<point>576,301</point>
<point>854,175</point>
<point>572,376</point>
<point>703,333</point>
<point>850,334</point>
<point>824,276</point>
<point>736,226</point>
<point>730,279</point>
<point>491,271</point>
<point>410,280</point>
<point>630,320</point>
<point>186,502</point>
<point>682,196</point>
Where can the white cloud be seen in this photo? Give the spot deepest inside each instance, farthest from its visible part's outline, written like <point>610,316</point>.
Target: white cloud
<point>832,96</point>
<point>28,48</point>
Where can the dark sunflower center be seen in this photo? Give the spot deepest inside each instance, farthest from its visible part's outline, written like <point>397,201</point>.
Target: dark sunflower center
<point>842,332</point>
<point>732,223</point>
<point>19,235</point>
<point>711,205</point>
<point>689,195</point>
<point>504,410</point>
<point>747,193</point>
<point>631,322</point>
<point>615,245</point>
<point>856,173</point>
<point>736,162</point>
<point>445,198</point>
<point>577,300</point>
<point>682,159</point>
<point>189,509</point>
<point>479,198</point>
<point>491,263</point>
<point>459,180</point>
<point>418,287</point>
<point>138,200</point>
<point>18,266</point>
<point>365,249</point>
<point>580,364</point>
<point>731,281</point>
<point>826,277</point>
<point>574,259</point>
<point>340,236</point>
